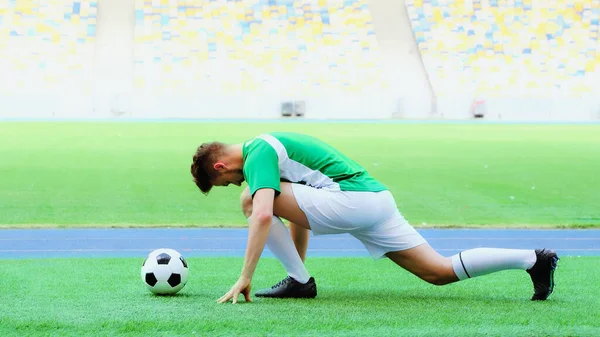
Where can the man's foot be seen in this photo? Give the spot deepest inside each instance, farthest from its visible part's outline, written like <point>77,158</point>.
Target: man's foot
<point>290,288</point>
<point>542,274</point>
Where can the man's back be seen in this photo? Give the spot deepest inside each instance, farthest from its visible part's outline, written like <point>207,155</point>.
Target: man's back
<point>308,160</point>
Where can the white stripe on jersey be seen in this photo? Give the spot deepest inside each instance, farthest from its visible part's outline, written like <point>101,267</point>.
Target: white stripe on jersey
<point>294,171</point>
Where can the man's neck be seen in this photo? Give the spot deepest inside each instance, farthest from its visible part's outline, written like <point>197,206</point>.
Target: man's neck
<point>234,152</point>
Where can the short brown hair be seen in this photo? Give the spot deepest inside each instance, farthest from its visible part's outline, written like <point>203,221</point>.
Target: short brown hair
<point>202,164</point>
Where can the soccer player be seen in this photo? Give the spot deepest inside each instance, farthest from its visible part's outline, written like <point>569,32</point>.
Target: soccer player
<point>315,187</point>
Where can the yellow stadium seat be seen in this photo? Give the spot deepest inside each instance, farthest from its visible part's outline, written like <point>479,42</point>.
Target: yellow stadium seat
<point>590,66</point>
<point>317,29</point>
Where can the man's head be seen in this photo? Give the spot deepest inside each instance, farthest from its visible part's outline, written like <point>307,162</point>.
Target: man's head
<point>217,164</point>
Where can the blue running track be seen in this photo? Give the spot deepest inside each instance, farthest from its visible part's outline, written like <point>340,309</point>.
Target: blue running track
<point>65,243</point>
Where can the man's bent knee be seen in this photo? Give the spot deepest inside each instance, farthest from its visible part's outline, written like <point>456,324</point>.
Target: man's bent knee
<point>439,276</point>
<point>246,202</point>
<point>438,279</point>
<point>424,262</point>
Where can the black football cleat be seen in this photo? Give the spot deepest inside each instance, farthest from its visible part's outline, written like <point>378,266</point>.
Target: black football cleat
<point>542,274</point>
<point>290,288</point>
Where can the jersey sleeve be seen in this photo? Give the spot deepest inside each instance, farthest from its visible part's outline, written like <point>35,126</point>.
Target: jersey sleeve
<point>261,167</point>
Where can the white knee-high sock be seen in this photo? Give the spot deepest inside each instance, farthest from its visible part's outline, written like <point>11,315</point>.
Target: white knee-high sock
<point>481,261</point>
<point>281,245</point>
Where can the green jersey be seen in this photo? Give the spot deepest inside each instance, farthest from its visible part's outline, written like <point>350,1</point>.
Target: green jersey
<point>282,156</point>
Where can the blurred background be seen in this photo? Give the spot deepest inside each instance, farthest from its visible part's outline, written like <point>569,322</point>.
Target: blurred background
<point>313,59</point>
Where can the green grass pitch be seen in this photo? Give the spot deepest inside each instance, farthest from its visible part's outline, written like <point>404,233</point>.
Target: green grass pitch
<point>105,297</point>
<point>137,174</point>
<point>132,174</point>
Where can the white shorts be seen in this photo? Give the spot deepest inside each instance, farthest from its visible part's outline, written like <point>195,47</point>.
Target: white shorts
<point>371,217</point>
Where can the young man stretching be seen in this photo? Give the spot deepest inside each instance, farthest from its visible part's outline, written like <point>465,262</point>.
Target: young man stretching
<point>314,186</point>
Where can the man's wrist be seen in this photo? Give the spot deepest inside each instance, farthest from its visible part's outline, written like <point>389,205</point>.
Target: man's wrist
<point>244,276</point>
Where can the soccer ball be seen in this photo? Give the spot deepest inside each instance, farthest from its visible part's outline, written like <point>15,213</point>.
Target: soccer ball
<point>165,271</point>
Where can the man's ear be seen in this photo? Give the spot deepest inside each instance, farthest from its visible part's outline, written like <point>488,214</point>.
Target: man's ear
<point>219,166</point>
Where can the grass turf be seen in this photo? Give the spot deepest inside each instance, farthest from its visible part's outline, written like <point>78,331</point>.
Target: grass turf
<point>105,297</point>
<point>137,174</point>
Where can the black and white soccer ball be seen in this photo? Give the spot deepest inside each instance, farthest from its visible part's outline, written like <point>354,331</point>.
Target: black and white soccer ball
<point>165,272</point>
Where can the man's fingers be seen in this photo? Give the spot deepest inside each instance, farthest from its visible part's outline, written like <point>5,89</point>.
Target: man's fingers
<point>234,293</point>
<point>235,296</point>
<point>224,298</point>
<point>247,296</point>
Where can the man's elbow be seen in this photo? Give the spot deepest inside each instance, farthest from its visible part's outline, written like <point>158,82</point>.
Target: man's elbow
<point>263,218</point>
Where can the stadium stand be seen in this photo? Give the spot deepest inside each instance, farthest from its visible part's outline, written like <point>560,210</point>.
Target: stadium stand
<point>46,44</point>
<point>159,56</point>
<point>235,46</point>
<point>509,48</point>
<point>505,48</point>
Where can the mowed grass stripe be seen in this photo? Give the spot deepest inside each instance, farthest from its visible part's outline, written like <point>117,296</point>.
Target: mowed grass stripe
<point>137,174</point>
<point>357,296</point>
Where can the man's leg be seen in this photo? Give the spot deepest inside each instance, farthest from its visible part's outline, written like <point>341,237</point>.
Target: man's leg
<point>300,237</point>
<point>424,262</point>
<point>429,265</point>
<point>298,283</point>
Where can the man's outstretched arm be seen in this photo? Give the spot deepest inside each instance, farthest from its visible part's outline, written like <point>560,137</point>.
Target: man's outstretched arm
<point>258,232</point>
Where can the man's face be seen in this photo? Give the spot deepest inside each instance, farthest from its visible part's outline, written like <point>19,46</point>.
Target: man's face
<point>227,177</point>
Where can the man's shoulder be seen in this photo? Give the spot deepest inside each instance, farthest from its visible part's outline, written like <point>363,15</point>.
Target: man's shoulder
<point>256,145</point>
<point>255,142</point>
